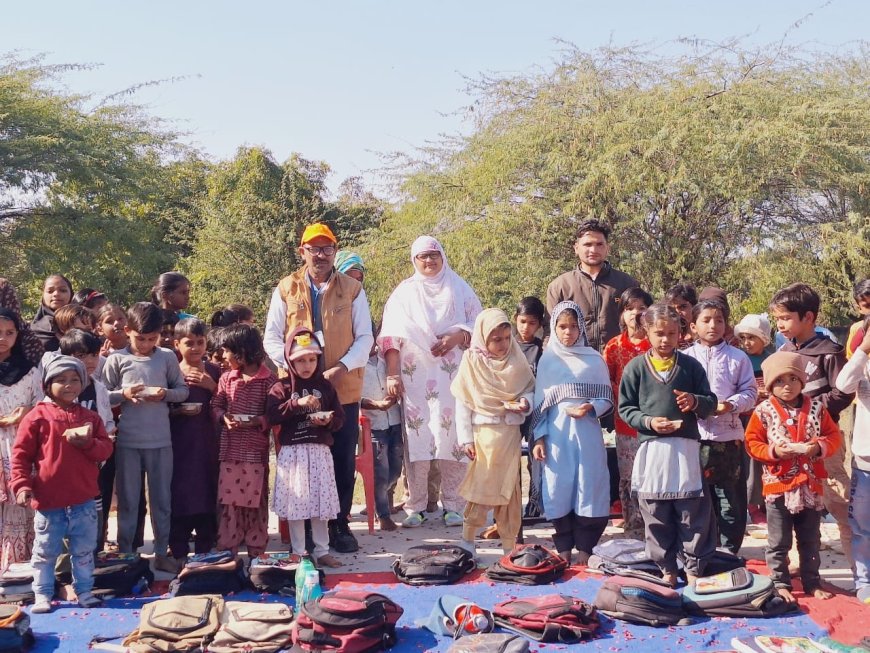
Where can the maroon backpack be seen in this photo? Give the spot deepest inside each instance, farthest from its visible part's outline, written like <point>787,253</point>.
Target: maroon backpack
<point>528,564</point>
<point>347,621</point>
<point>551,618</point>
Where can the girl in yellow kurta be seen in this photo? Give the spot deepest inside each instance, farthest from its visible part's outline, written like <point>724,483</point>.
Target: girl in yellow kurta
<point>494,389</point>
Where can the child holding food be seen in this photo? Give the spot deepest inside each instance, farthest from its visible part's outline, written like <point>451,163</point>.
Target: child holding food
<point>239,406</point>
<point>54,469</point>
<point>306,408</point>
<point>194,447</point>
<point>144,379</point>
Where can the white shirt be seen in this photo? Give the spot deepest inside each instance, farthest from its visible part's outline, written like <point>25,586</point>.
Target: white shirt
<point>358,354</point>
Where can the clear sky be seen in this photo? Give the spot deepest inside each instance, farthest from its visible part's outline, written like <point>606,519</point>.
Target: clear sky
<point>339,81</point>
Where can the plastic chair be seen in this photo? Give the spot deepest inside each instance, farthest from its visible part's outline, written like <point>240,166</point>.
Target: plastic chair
<point>365,467</point>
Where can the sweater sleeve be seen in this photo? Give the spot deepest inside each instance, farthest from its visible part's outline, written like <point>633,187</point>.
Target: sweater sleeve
<point>852,373</point>
<point>334,404</point>
<point>757,444</point>
<point>101,446</point>
<point>629,398</point>
<point>831,437</point>
<point>746,393</point>
<point>280,405</point>
<point>220,402</point>
<point>112,379</point>
<point>176,388</point>
<point>835,400</point>
<point>24,453</point>
<point>707,401</point>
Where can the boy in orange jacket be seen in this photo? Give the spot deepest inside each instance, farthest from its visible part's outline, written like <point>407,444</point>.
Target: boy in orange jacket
<point>791,434</point>
<point>54,469</point>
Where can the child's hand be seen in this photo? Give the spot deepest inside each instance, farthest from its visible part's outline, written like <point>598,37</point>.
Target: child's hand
<point>131,393</point>
<point>686,401</point>
<point>865,343</point>
<point>157,396</point>
<point>723,407</point>
<point>783,452</point>
<point>662,425</point>
<point>321,420</point>
<point>23,498</point>
<point>200,379</point>
<point>470,450</point>
<point>578,411</point>
<point>815,450</point>
<point>81,441</point>
<point>386,403</point>
<point>231,422</point>
<point>539,452</point>
<point>13,418</point>
<point>395,388</point>
<point>518,407</point>
<point>309,401</point>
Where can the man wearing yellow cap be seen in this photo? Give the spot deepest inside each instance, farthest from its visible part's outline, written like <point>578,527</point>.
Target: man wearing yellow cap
<point>335,307</point>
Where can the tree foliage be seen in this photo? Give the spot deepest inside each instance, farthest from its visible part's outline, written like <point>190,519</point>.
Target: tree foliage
<point>698,159</point>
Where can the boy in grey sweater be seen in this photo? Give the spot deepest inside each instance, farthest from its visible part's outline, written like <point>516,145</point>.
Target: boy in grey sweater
<point>144,379</point>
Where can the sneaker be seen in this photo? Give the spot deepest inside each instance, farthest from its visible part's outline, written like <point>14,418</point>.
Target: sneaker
<point>41,605</point>
<point>88,600</point>
<point>452,518</point>
<point>413,520</point>
<point>167,564</point>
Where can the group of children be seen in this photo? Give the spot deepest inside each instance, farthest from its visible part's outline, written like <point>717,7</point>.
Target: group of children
<point>191,412</point>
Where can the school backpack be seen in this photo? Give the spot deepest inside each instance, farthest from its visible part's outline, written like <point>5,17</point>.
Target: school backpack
<point>15,633</point>
<point>640,601</point>
<point>721,561</point>
<point>186,623</point>
<point>121,575</point>
<point>490,643</point>
<point>736,593</point>
<point>346,621</point>
<point>624,557</point>
<point>528,564</point>
<point>210,578</point>
<point>276,574</point>
<point>550,618</point>
<point>253,628</point>
<point>16,584</point>
<point>433,564</point>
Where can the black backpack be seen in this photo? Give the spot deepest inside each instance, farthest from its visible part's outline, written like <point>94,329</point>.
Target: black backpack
<point>433,564</point>
<point>640,601</point>
<point>528,564</point>
<point>220,578</point>
<point>15,633</point>
<point>122,577</point>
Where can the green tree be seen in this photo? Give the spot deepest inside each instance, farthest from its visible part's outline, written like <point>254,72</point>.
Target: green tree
<point>698,159</point>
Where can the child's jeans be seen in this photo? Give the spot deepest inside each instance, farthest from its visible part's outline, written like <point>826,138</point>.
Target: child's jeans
<point>859,519</point>
<point>781,527</point>
<point>79,525</point>
<point>389,451</point>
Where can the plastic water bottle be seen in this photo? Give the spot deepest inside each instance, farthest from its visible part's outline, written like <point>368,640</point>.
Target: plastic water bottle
<point>306,566</point>
<point>312,589</point>
<point>471,618</point>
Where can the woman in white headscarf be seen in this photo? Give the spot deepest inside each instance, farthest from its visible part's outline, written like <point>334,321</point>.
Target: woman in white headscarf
<point>427,322</point>
<point>572,391</point>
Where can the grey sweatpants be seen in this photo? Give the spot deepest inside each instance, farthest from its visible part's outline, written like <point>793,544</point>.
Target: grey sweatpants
<point>157,465</point>
<point>669,523</point>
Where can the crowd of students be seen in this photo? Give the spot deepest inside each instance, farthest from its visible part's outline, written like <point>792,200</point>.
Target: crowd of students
<point>712,424</point>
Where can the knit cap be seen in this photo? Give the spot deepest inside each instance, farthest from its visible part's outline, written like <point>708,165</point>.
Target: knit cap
<point>60,364</point>
<point>301,343</point>
<point>782,362</point>
<point>754,325</point>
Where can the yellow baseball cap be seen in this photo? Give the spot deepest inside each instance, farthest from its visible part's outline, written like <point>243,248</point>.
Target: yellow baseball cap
<point>317,230</point>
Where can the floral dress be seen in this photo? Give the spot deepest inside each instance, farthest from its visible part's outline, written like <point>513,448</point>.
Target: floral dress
<point>16,523</point>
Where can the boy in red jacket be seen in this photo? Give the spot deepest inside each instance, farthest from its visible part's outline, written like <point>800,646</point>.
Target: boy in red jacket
<point>54,469</point>
<point>791,434</point>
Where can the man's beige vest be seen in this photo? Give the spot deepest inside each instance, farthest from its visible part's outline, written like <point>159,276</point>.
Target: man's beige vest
<point>337,320</point>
